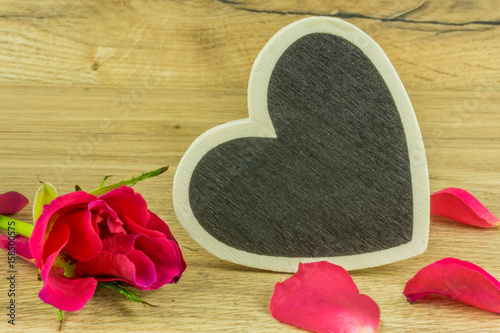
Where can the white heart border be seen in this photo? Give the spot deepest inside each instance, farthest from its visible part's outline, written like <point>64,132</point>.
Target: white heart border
<point>259,125</point>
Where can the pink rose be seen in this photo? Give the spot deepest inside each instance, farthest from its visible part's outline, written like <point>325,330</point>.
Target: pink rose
<point>81,239</point>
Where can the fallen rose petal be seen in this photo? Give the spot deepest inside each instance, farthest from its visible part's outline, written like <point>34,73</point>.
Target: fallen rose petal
<point>21,247</point>
<point>12,202</point>
<point>461,206</point>
<point>457,279</point>
<point>322,297</point>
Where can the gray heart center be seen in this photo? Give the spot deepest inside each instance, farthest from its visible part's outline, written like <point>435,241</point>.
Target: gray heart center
<point>336,181</point>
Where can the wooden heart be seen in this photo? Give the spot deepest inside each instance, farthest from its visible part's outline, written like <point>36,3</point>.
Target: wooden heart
<point>330,165</point>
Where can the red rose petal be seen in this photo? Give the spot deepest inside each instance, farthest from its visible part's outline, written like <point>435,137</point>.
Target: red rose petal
<point>55,243</point>
<point>132,228</point>
<point>461,206</point>
<point>101,209</point>
<point>66,294</point>
<point>145,268</point>
<point>322,297</point>
<point>166,256</point>
<point>136,269</point>
<point>46,220</point>
<point>22,247</point>
<point>157,224</point>
<point>118,243</point>
<point>84,242</point>
<point>126,202</point>
<point>460,280</point>
<point>12,202</point>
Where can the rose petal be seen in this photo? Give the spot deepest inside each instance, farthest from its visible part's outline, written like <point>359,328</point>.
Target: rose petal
<point>136,229</point>
<point>322,297</point>
<point>461,206</point>
<point>166,256</point>
<point>12,202</point>
<point>126,202</point>
<point>135,269</point>
<point>84,242</point>
<point>113,223</point>
<point>66,294</point>
<point>155,223</point>
<point>145,270</point>
<point>50,213</point>
<point>457,279</point>
<point>118,243</point>
<point>55,242</point>
<point>22,247</point>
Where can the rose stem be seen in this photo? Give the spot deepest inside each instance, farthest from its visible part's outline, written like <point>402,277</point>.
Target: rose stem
<point>19,227</point>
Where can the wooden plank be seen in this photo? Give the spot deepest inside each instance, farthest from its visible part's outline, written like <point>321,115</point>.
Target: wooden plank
<point>169,70</point>
<point>48,127</point>
<point>214,43</point>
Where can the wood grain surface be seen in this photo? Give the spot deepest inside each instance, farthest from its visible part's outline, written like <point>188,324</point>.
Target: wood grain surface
<point>93,88</point>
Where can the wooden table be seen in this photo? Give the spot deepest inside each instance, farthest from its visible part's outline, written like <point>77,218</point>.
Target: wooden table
<point>93,88</point>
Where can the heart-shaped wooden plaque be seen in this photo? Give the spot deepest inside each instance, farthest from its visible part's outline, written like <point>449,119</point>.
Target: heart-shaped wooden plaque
<point>330,165</point>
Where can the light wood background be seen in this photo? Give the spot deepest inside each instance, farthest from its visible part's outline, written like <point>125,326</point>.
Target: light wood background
<point>91,88</point>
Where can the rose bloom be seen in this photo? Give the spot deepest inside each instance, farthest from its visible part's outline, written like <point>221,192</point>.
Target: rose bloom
<point>81,239</point>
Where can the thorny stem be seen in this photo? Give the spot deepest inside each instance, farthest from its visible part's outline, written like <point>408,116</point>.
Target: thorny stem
<point>129,182</point>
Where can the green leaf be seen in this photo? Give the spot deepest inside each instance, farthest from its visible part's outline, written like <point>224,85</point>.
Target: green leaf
<point>129,182</point>
<point>45,194</point>
<point>117,288</point>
